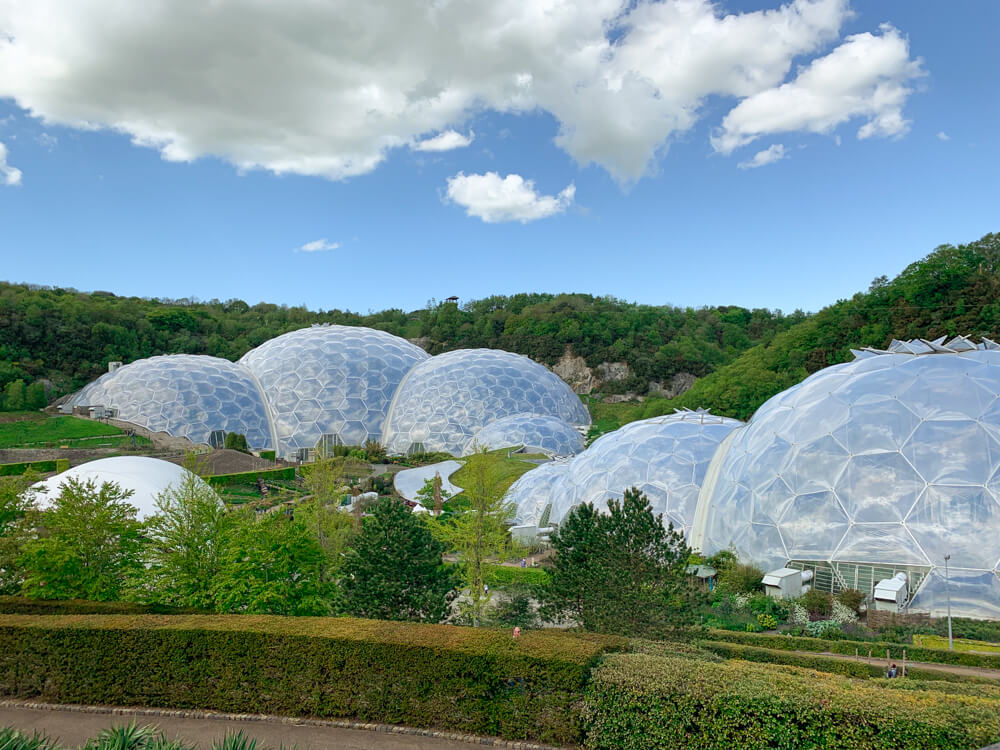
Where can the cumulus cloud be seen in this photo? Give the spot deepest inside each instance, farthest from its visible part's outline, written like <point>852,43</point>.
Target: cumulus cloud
<point>943,136</point>
<point>762,158</point>
<point>493,198</point>
<point>9,175</point>
<point>866,76</point>
<point>331,88</point>
<point>317,246</point>
<point>446,141</point>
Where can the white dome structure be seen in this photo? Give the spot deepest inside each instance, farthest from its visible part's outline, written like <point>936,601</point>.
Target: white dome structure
<point>444,401</point>
<point>534,492</point>
<point>535,432</point>
<point>666,457</point>
<point>330,380</point>
<point>146,477</point>
<point>184,395</point>
<point>879,466</point>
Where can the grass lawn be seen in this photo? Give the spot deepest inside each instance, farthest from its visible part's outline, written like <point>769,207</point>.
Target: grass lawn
<point>56,430</point>
<point>507,470</point>
<point>961,644</point>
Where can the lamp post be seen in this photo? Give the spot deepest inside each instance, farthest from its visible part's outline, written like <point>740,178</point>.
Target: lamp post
<point>947,589</point>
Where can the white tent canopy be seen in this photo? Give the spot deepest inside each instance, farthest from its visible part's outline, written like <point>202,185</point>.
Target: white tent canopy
<point>146,477</point>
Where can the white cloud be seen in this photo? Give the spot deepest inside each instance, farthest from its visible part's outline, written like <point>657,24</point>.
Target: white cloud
<point>493,198</point>
<point>317,246</point>
<point>330,88</point>
<point>446,141</point>
<point>943,136</point>
<point>866,76</point>
<point>9,175</point>
<point>762,158</point>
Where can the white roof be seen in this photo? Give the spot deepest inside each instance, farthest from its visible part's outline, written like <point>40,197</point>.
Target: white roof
<point>890,586</point>
<point>774,577</point>
<point>146,477</point>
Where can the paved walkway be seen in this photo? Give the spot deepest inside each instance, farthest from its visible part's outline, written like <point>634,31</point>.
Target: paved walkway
<point>72,726</point>
<point>880,661</point>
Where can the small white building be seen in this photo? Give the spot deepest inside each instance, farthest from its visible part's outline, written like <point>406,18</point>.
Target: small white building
<point>891,594</point>
<point>787,583</point>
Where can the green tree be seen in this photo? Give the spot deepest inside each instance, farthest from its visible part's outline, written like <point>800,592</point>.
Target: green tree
<point>432,495</point>
<point>237,441</point>
<point>90,546</point>
<point>332,528</point>
<point>34,396</point>
<point>621,572</point>
<point>394,570</point>
<point>480,531</point>
<point>13,395</point>
<point>16,515</point>
<point>186,538</point>
<point>271,564</point>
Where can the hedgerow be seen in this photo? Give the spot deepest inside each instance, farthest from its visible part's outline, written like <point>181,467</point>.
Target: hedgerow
<point>877,648</point>
<point>22,605</point>
<point>641,701</point>
<point>42,467</point>
<point>245,477</point>
<point>470,680</point>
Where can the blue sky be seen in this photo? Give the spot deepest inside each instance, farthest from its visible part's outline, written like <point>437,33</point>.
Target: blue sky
<point>252,177</point>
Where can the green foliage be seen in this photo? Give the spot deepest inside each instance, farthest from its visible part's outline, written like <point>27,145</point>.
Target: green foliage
<point>14,396</point>
<point>51,430</point>
<point>817,603</point>
<point>271,565</point>
<point>267,455</point>
<point>184,555</point>
<point>502,576</point>
<point>851,598</point>
<point>621,572</point>
<point>953,290</point>
<point>14,739</point>
<point>644,701</point>
<point>393,570</point>
<point>133,737</point>
<point>857,669</point>
<point>451,678</point>
<point>237,441</point>
<point>479,531</point>
<point>90,546</point>
<point>247,477</point>
<point>740,578</point>
<point>42,467</point>
<point>374,451</point>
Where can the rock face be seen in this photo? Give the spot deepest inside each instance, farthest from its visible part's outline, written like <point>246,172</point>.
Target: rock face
<point>677,385</point>
<point>573,369</point>
<point>608,371</point>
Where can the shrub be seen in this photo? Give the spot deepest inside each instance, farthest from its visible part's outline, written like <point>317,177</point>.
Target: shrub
<point>741,578</point>
<point>767,622</point>
<point>464,679</point>
<point>823,629</point>
<point>40,467</point>
<point>21,605</point>
<point>237,441</point>
<point>644,701</point>
<point>817,603</point>
<point>776,656</point>
<point>851,598</point>
<point>268,455</point>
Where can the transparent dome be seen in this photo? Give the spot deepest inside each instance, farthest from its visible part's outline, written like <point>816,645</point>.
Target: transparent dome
<point>881,465</point>
<point>330,380</point>
<point>184,395</point>
<point>666,457</point>
<point>535,491</point>
<point>536,432</point>
<point>446,400</point>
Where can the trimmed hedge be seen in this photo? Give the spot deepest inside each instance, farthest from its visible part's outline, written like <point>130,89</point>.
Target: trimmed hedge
<point>641,701</point>
<point>913,653</point>
<point>857,669</point>
<point>502,576</point>
<point>22,605</point>
<point>247,477</point>
<point>42,467</point>
<point>269,455</point>
<point>464,679</point>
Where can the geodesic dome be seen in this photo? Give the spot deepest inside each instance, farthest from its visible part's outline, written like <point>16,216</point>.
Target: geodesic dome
<point>146,477</point>
<point>881,465</point>
<point>445,400</point>
<point>666,457</point>
<point>535,491</point>
<point>330,380</point>
<point>184,395</point>
<point>536,432</point>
